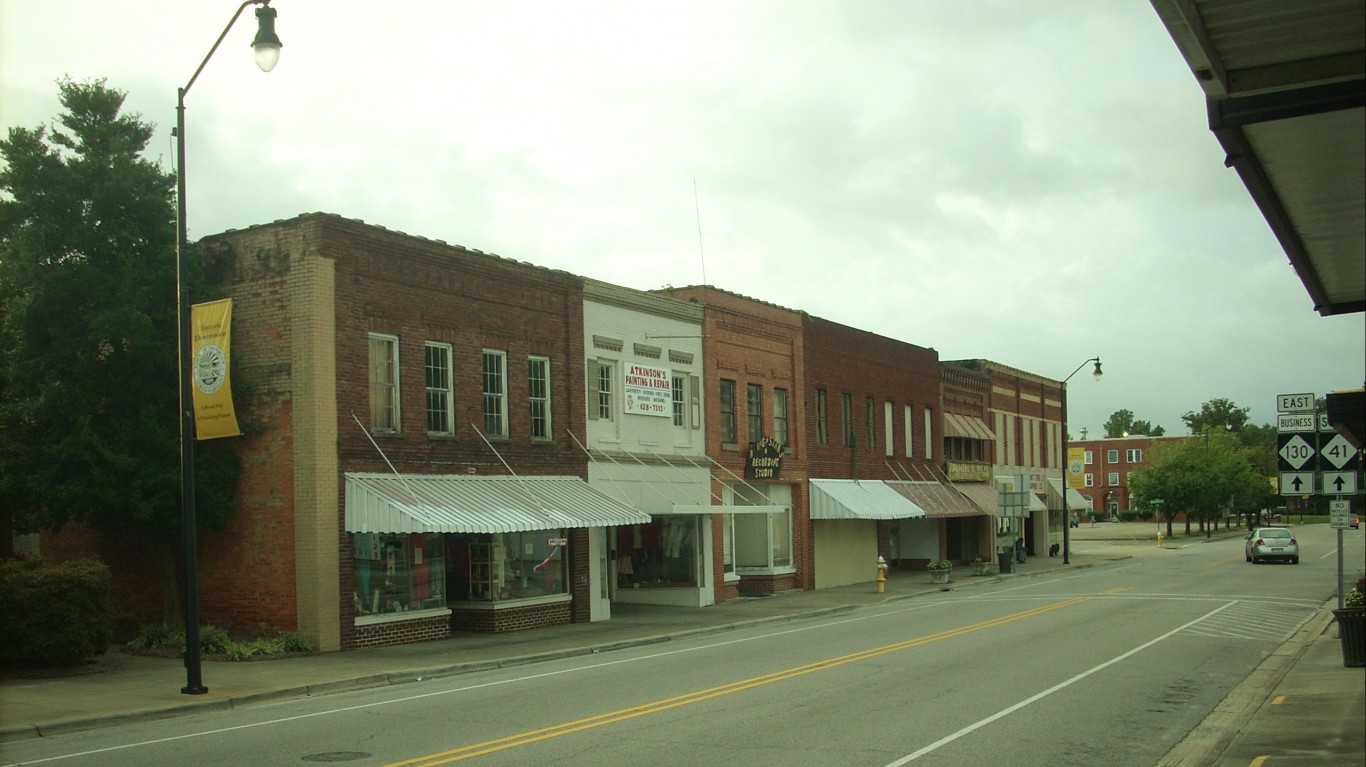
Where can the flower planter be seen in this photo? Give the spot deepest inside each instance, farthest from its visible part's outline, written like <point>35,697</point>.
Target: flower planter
<point>1352,633</point>
<point>981,568</point>
<point>939,576</point>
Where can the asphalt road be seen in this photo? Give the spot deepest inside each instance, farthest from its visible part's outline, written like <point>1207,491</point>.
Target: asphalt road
<point>1108,665</point>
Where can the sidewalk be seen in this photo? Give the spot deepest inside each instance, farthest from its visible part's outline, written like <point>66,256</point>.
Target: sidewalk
<point>124,688</point>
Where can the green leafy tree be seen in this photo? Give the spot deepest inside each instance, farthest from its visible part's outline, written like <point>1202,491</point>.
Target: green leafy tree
<point>1122,423</point>
<point>1217,414</point>
<point>89,414</point>
<point>1204,477</point>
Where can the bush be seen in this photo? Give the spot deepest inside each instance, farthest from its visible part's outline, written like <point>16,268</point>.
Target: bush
<point>215,642</point>
<point>1128,515</point>
<point>54,614</point>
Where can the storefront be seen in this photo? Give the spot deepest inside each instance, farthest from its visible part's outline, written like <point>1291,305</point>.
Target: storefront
<point>432,554</point>
<point>845,514</point>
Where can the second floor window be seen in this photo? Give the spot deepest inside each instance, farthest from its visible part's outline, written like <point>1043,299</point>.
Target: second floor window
<point>754,409</point>
<point>439,394</point>
<point>604,390</point>
<point>847,418</point>
<point>780,417</point>
<point>1089,457</point>
<point>495,393</point>
<point>728,425</point>
<point>1134,456</point>
<point>822,433</point>
<point>384,383</point>
<point>679,392</point>
<point>1112,456</point>
<point>868,423</point>
<point>1113,479</point>
<point>538,395</point>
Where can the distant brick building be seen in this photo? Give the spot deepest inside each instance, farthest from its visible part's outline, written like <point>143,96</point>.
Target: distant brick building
<point>1108,462</point>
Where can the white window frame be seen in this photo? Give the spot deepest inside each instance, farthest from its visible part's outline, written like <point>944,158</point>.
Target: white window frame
<point>1133,455</point>
<point>1090,458</point>
<point>495,401</point>
<point>929,434</point>
<point>1090,479</point>
<point>442,393</point>
<point>1112,478</point>
<point>385,416</point>
<point>1112,456</point>
<point>541,399</point>
<point>781,428</point>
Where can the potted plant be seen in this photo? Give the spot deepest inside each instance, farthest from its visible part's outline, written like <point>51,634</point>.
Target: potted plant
<point>939,570</point>
<point>980,566</point>
<point>1351,618</point>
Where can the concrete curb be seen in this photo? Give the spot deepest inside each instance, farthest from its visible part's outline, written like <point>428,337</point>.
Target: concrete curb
<point>1206,744</point>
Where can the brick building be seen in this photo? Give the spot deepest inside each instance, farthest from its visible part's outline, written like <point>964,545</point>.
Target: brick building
<point>407,469</point>
<point>1107,464</point>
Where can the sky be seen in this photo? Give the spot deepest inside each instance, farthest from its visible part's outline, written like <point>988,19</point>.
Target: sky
<point>1027,181</point>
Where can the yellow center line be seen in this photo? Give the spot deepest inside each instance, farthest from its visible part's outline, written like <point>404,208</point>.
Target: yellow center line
<point>1224,561</point>
<point>621,715</point>
<point>1119,590</point>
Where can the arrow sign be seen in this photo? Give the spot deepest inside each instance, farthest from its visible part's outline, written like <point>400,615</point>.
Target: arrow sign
<point>1297,482</point>
<point>1339,482</point>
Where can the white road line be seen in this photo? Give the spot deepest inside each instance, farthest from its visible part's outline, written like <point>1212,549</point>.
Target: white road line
<point>935,746</point>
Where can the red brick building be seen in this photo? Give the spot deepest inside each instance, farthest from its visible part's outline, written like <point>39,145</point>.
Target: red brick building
<point>406,470</point>
<point>1108,462</point>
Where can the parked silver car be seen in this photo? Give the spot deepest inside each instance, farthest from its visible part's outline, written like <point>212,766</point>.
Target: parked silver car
<point>1272,543</point>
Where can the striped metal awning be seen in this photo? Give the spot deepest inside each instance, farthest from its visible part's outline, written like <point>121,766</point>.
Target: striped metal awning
<point>937,499</point>
<point>967,427</point>
<point>430,503</point>
<point>859,499</point>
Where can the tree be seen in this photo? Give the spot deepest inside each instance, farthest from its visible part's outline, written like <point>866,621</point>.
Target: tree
<point>1203,477</point>
<point>1122,424</point>
<point>1217,414</point>
<point>89,414</point>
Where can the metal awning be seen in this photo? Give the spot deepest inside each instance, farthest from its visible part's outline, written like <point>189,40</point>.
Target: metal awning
<point>984,495</point>
<point>859,499</point>
<point>1285,92</point>
<point>681,508</point>
<point>1075,500</point>
<point>430,503</point>
<point>966,426</point>
<point>936,498</point>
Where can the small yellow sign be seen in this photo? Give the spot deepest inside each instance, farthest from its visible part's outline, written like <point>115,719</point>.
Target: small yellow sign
<point>210,358</point>
<point>1076,467</point>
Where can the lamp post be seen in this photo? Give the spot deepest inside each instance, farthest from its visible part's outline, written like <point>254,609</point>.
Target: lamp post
<point>267,47</point>
<point>1066,522</point>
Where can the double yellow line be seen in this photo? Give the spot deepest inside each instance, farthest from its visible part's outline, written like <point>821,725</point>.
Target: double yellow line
<point>625,714</point>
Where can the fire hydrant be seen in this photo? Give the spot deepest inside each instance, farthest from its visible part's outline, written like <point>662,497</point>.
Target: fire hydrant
<point>1159,539</point>
<point>881,574</point>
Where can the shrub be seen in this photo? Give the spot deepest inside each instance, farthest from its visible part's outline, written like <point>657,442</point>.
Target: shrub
<point>54,614</point>
<point>1128,515</point>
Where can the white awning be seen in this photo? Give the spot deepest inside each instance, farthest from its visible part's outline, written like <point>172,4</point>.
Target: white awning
<point>1075,500</point>
<point>859,499</point>
<point>984,495</point>
<point>430,503</point>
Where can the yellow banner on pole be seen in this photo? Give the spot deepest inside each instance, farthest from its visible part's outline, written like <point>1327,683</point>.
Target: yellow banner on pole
<point>210,343</point>
<point>1076,467</point>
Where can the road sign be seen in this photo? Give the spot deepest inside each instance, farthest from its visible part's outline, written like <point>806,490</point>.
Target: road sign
<point>1337,453</point>
<point>1296,451</point>
<point>1340,514</point>
<point>1288,422</point>
<point>1297,483</point>
<point>1322,417</point>
<point>1295,403</point>
<point>1339,482</point>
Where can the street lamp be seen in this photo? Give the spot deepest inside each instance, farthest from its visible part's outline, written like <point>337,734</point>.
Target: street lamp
<point>1066,515</point>
<point>267,48</point>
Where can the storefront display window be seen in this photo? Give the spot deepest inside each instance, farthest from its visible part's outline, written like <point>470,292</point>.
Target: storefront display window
<point>661,554</point>
<point>507,566</point>
<point>398,572</point>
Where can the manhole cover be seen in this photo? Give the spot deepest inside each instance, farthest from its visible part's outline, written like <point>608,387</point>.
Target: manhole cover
<point>337,756</point>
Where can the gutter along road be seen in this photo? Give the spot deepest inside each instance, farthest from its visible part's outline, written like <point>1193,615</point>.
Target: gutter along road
<point>1113,664</point>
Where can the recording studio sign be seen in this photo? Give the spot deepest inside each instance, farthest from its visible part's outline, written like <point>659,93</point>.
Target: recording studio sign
<point>765,459</point>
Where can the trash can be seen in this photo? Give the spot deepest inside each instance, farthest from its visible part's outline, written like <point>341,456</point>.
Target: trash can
<point>1004,561</point>
<point>1352,633</point>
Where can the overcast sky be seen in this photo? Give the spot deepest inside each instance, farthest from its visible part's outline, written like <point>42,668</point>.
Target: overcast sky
<point>1027,181</point>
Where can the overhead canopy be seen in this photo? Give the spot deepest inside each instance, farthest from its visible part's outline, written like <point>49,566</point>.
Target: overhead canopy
<point>936,498</point>
<point>1075,500</point>
<point>984,495</point>
<point>1285,92</point>
<point>420,503</point>
<point>859,499</point>
<point>967,427</point>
